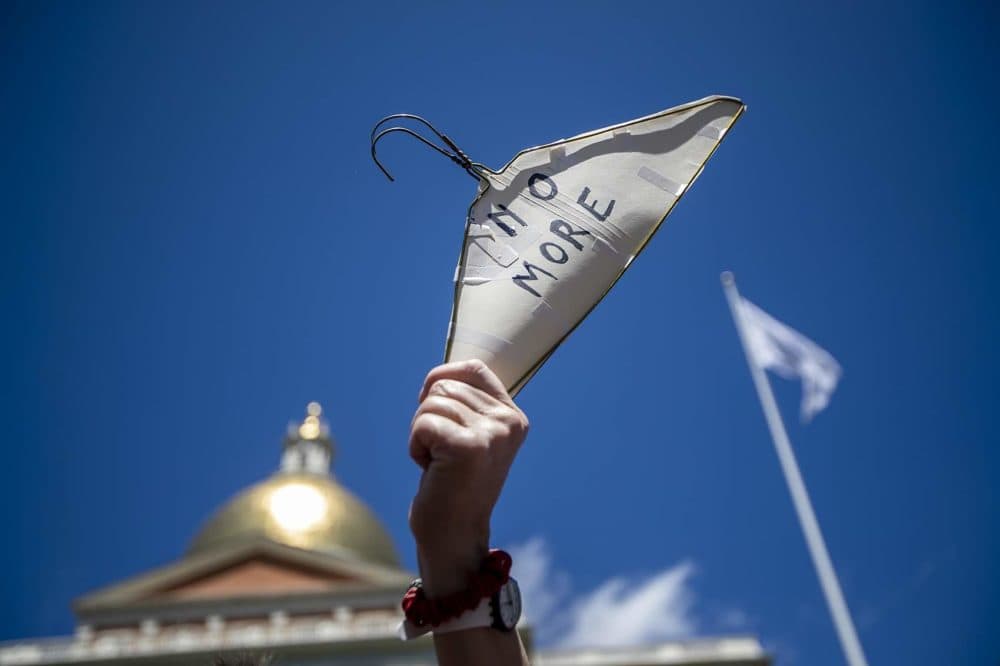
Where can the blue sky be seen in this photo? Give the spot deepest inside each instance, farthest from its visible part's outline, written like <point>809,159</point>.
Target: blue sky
<point>196,244</point>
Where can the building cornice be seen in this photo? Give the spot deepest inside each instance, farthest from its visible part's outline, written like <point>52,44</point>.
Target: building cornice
<point>137,592</point>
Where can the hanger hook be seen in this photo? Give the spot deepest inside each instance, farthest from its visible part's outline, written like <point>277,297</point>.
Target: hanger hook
<point>457,156</point>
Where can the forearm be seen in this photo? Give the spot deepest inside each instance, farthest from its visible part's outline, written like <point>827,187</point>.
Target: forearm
<point>486,647</point>
<point>464,437</point>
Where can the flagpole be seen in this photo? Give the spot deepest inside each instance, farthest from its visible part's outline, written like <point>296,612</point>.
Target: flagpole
<point>849,642</point>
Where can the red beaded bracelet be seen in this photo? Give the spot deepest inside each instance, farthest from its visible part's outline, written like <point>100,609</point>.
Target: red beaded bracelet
<point>494,572</point>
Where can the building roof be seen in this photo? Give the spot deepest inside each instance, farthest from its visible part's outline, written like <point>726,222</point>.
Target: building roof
<point>240,575</point>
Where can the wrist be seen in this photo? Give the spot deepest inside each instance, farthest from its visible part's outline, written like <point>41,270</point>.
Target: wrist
<point>490,598</point>
<point>445,566</point>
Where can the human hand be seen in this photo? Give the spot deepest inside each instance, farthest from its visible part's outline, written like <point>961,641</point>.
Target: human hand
<point>464,436</point>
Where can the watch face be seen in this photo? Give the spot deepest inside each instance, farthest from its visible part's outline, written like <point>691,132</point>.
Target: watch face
<point>509,605</point>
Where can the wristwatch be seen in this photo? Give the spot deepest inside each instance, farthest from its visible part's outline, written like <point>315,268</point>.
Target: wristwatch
<point>501,611</point>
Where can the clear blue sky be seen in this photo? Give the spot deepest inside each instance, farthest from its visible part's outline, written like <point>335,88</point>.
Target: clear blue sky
<point>196,243</point>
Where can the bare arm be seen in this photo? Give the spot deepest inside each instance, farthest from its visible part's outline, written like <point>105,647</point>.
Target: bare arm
<point>464,436</point>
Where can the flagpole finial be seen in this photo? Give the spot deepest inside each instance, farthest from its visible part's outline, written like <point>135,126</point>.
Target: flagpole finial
<point>727,278</point>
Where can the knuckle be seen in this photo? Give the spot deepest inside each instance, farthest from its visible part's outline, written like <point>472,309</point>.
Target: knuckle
<point>423,423</point>
<point>513,419</point>
<point>428,376</point>
<point>470,447</point>
<point>435,401</point>
<point>441,387</point>
<point>419,423</point>
<point>476,365</point>
<point>523,426</point>
<point>499,429</point>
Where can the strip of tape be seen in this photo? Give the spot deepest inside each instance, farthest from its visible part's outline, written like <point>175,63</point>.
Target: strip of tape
<point>481,339</point>
<point>714,133</point>
<point>543,309</point>
<point>476,280</point>
<point>482,235</point>
<point>657,179</point>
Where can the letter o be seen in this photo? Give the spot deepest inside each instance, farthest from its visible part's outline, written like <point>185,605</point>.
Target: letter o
<point>544,249</point>
<point>535,177</point>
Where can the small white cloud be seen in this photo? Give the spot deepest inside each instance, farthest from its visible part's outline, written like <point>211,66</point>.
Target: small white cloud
<point>615,613</point>
<point>541,590</point>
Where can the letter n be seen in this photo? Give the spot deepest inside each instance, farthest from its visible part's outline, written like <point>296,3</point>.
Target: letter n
<point>506,212</point>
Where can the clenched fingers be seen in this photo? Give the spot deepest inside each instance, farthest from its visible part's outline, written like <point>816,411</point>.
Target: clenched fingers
<point>429,428</point>
<point>475,399</point>
<point>474,373</point>
<point>449,407</point>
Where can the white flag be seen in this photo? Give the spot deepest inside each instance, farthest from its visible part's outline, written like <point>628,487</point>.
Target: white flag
<point>774,346</point>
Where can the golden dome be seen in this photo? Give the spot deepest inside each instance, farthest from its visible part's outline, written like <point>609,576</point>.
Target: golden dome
<point>306,511</point>
<point>301,506</point>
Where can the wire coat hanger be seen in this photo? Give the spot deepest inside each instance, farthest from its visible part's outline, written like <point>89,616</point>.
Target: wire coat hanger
<point>455,154</point>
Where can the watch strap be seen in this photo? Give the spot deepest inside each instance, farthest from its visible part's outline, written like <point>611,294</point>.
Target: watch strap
<point>480,616</point>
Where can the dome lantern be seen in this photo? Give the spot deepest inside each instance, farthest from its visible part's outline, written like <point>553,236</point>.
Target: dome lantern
<point>308,446</point>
